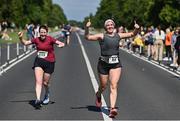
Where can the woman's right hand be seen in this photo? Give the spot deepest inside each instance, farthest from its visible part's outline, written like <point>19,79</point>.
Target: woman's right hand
<point>20,34</point>
<point>88,24</point>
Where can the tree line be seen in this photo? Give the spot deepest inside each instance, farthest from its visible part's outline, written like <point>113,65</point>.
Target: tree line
<point>22,12</point>
<point>146,12</point>
<point>124,12</point>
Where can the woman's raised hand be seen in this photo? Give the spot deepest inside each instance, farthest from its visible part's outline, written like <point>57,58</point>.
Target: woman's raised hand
<point>136,25</point>
<point>20,34</point>
<point>88,24</point>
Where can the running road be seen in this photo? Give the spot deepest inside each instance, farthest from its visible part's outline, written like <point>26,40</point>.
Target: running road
<point>145,91</point>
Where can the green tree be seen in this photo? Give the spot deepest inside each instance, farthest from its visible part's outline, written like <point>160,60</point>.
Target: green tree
<point>145,12</point>
<point>57,16</point>
<point>16,14</point>
<point>5,9</point>
<point>170,16</point>
<point>31,11</point>
<point>108,10</point>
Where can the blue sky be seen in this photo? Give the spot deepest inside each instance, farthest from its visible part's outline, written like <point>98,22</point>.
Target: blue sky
<point>78,9</point>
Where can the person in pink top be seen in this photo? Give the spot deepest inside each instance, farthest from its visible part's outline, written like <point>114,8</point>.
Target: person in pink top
<point>44,62</point>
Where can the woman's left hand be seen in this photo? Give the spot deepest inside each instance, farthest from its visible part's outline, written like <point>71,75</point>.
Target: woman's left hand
<point>61,44</point>
<point>136,26</point>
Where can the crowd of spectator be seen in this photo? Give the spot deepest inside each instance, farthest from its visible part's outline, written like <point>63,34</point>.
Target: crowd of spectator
<point>156,44</point>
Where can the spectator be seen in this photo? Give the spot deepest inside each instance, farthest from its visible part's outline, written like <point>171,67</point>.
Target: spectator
<point>29,29</point>
<point>149,41</point>
<point>177,47</point>
<point>168,42</point>
<point>174,36</point>
<point>158,44</point>
<point>122,42</point>
<point>138,44</point>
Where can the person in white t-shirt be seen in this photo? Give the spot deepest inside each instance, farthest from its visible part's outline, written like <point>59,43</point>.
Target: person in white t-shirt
<point>158,44</point>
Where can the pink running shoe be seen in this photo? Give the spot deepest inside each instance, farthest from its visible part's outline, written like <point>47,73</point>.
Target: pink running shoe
<point>113,112</point>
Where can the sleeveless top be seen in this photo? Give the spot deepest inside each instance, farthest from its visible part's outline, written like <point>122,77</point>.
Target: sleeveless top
<point>110,45</point>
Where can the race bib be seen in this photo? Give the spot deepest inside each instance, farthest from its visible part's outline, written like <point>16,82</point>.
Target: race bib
<point>113,59</point>
<point>42,54</point>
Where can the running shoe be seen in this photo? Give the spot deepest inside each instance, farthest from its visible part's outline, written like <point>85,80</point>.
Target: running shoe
<point>113,112</point>
<point>46,99</point>
<point>98,101</point>
<point>165,59</point>
<point>38,104</point>
<point>178,68</point>
<point>173,65</point>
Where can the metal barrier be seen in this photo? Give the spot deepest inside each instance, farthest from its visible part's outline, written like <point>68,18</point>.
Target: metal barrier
<point>11,52</point>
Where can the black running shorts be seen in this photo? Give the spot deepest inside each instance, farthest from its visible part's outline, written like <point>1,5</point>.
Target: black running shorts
<point>47,66</point>
<point>103,67</point>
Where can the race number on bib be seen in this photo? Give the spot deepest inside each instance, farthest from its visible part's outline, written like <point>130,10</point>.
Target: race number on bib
<point>42,54</point>
<point>113,59</point>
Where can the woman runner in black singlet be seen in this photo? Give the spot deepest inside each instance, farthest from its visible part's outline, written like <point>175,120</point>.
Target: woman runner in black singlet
<point>109,65</point>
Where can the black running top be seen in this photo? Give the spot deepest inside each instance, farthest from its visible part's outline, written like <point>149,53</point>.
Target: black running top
<point>110,45</point>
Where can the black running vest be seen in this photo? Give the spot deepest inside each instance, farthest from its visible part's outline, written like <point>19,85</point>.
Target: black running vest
<point>110,45</point>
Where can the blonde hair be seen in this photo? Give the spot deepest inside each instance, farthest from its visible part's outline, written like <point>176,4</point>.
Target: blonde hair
<point>168,30</point>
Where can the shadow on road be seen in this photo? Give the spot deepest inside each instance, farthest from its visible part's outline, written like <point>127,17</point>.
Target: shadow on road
<point>105,110</point>
<point>89,107</point>
<point>30,102</point>
<point>176,77</point>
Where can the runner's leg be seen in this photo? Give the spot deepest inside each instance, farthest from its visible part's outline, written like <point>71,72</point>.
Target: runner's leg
<point>46,86</point>
<point>114,76</point>
<point>46,80</point>
<point>39,80</point>
<point>103,83</point>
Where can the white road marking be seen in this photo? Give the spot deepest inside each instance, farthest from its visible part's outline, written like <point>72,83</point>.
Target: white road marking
<point>155,64</point>
<point>14,63</point>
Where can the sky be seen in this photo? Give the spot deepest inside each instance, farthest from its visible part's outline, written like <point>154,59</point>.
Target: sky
<point>78,9</point>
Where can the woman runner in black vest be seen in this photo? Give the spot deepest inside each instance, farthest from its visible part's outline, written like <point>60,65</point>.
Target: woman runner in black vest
<point>109,65</point>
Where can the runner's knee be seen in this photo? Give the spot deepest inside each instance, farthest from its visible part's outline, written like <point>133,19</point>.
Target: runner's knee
<point>39,82</point>
<point>102,88</point>
<point>113,86</point>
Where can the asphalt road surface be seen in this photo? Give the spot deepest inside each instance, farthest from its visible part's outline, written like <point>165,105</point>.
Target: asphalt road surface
<point>145,91</point>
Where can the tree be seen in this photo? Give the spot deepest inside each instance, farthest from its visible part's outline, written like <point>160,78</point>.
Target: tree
<point>145,12</point>
<point>57,16</point>
<point>16,14</point>
<point>31,11</point>
<point>170,16</point>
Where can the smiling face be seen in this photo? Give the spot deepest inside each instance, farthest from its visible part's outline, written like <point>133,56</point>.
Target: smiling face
<point>109,26</point>
<point>43,33</point>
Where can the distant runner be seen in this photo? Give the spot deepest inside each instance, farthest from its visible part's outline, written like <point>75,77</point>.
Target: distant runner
<point>66,30</point>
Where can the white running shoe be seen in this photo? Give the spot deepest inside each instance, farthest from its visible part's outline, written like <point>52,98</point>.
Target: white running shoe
<point>165,59</point>
<point>178,69</point>
<point>46,99</point>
